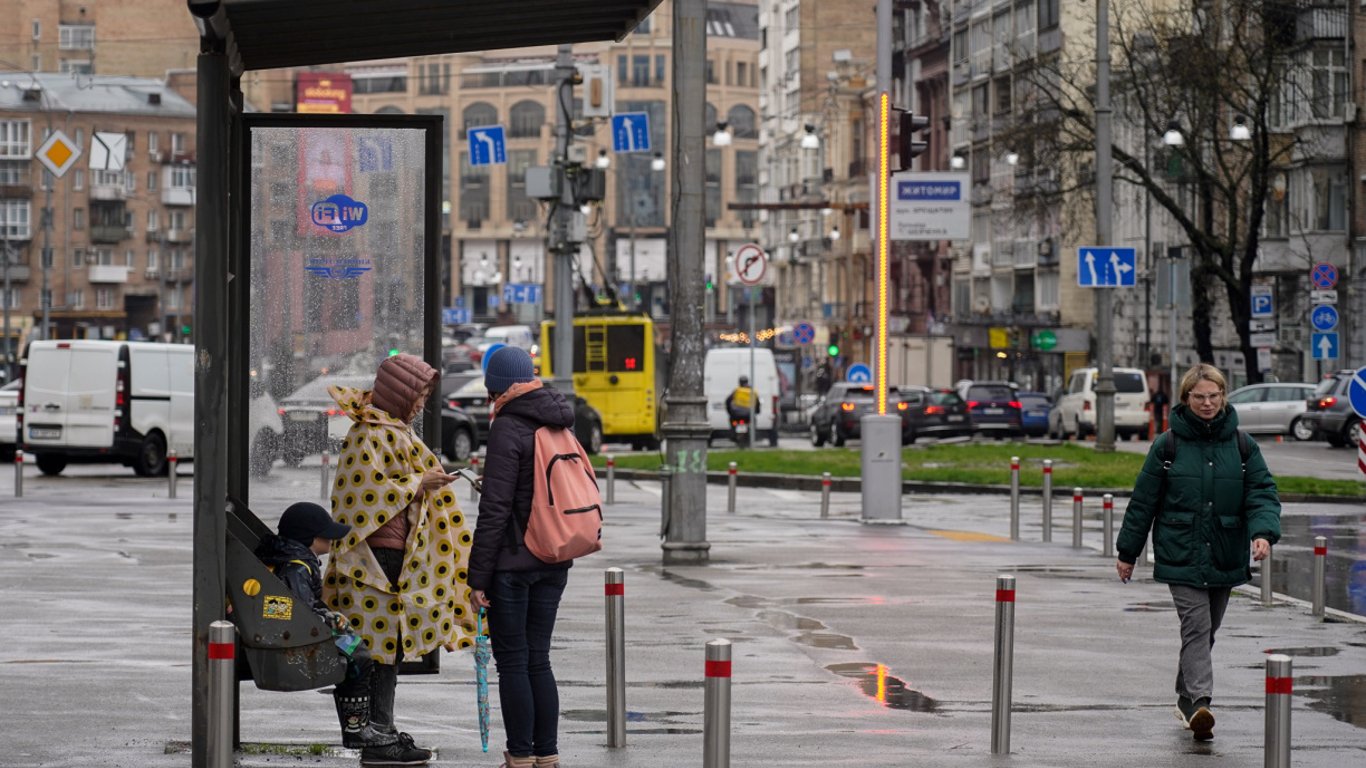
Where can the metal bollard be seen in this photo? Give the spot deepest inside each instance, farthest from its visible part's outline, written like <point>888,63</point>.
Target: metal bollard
<point>1107,506</point>
<point>732,472</point>
<point>611,479</point>
<point>716,706</point>
<point>1077,501</point>
<point>1318,593</point>
<point>666,481</point>
<point>324,481</point>
<point>18,473</point>
<point>1014,498</point>
<point>1047,500</point>
<point>1267,597</point>
<point>614,591</point>
<point>474,467</point>
<point>825,495</point>
<point>1279,686</point>
<point>222,688</point>
<point>172,473</point>
<point>1004,665</point>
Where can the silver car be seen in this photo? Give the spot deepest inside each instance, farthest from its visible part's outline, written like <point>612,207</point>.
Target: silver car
<point>1273,409</point>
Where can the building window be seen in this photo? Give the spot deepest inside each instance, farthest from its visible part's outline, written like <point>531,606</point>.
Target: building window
<point>152,220</point>
<point>434,78</point>
<point>14,173</point>
<point>742,123</point>
<point>623,68</point>
<point>76,37</point>
<point>151,181</point>
<point>792,18</point>
<point>103,257</point>
<point>76,299</point>
<point>526,117</point>
<point>1003,94</point>
<point>104,298</point>
<point>37,30</point>
<point>14,220</point>
<point>640,71</point>
<point>75,67</point>
<point>173,297</point>
<point>176,220</point>
<point>476,115</point>
<point>177,143</point>
<point>519,205</point>
<point>747,183</point>
<point>474,193</point>
<point>78,179</point>
<point>11,298</point>
<point>1047,285</point>
<point>14,139</point>
<point>379,82</point>
<point>1048,14</point>
<point>659,70</point>
<point>1330,199</point>
<point>713,186</point>
<point>711,72</point>
<point>153,141</point>
<point>77,258</point>
<point>182,176</point>
<point>78,219</point>
<point>1328,82</point>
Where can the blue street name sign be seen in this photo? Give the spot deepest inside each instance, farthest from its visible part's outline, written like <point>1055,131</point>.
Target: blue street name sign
<point>522,293</point>
<point>1324,318</point>
<point>1324,345</point>
<point>488,145</point>
<point>631,132</point>
<point>859,373</point>
<point>454,316</point>
<point>1356,392</point>
<point>1106,267</point>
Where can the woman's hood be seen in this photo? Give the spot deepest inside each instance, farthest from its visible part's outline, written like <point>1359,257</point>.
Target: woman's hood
<point>356,403</point>
<point>399,384</point>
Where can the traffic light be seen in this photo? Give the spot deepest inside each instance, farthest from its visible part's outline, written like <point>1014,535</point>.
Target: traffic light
<point>834,349</point>
<point>185,330</point>
<point>910,147</point>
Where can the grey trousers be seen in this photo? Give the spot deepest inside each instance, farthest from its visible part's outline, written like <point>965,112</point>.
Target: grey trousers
<point>1201,611</point>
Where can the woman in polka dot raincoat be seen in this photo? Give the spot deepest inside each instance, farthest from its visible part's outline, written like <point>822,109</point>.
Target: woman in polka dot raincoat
<point>400,574</point>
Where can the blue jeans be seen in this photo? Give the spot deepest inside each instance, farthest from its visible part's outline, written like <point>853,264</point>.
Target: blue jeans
<point>521,621</point>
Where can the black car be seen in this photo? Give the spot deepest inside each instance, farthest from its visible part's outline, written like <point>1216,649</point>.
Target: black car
<point>837,415</point>
<point>993,407</point>
<point>459,433</point>
<point>312,420</point>
<point>927,412</point>
<point>473,398</point>
<point>1329,411</point>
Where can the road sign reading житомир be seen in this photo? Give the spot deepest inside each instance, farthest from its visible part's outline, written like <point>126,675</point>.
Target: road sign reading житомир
<point>1324,318</point>
<point>1099,267</point>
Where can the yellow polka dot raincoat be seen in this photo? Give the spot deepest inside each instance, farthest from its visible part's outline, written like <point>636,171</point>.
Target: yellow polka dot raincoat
<point>378,472</point>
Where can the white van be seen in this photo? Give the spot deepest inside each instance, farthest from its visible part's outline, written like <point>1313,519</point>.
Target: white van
<point>721,375</point>
<point>1076,408</point>
<point>89,401</point>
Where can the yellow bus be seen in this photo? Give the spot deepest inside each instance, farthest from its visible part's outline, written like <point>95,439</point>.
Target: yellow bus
<point>614,370</point>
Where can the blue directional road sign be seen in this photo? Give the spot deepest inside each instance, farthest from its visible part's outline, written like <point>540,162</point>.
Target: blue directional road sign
<point>859,373</point>
<point>522,293</point>
<point>1324,276</point>
<point>1324,318</point>
<point>1356,392</point>
<point>1325,346</point>
<point>804,333</point>
<point>1106,267</point>
<point>488,145</point>
<point>454,316</point>
<point>631,132</point>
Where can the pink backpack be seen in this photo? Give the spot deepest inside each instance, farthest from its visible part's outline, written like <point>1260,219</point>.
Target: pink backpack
<point>566,508</point>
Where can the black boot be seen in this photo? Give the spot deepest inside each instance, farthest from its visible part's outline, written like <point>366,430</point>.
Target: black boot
<point>353,712</point>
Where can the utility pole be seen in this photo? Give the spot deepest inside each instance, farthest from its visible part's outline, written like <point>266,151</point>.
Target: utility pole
<point>9,352</point>
<point>1105,382</point>
<point>45,298</point>
<point>562,246</point>
<point>686,428</point>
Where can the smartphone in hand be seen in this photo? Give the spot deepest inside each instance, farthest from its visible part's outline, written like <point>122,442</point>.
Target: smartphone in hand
<point>471,477</point>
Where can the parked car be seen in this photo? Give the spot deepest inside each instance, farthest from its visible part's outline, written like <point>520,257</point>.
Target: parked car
<point>1035,408</point>
<point>1273,409</point>
<point>459,433</point>
<point>929,412</point>
<point>9,407</point>
<point>313,420</point>
<point>836,417</point>
<point>1077,408</point>
<point>473,398</point>
<point>993,407</point>
<point>1328,411</point>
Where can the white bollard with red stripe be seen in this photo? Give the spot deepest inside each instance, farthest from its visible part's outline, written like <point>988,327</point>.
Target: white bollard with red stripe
<point>825,495</point>
<point>716,706</point>
<point>614,592</point>
<point>1004,667</point>
<point>222,684</point>
<point>172,473</point>
<point>1077,501</point>
<point>1361,451</point>
<point>1280,684</point>
<point>1014,498</point>
<point>1047,500</point>
<point>1107,509</point>
<point>1317,591</point>
<point>733,472</point>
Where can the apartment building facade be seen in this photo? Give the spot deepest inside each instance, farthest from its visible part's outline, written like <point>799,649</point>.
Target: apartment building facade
<point>140,38</point>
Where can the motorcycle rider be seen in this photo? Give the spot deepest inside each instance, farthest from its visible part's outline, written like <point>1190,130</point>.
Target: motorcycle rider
<point>741,402</point>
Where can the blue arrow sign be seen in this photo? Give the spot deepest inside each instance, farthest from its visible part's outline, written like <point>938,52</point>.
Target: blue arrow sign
<point>859,373</point>
<point>454,316</point>
<point>1324,345</point>
<point>488,145</point>
<point>1324,318</point>
<point>631,132</point>
<point>1106,267</point>
<point>522,293</point>
<point>804,333</point>
<point>1356,392</point>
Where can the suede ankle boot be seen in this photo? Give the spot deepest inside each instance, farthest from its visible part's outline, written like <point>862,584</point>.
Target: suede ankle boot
<point>518,762</point>
<point>547,761</point>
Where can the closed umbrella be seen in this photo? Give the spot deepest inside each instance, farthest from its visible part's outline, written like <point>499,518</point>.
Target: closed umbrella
<point>482,654</point>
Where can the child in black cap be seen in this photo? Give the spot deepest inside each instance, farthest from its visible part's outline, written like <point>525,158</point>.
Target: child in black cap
<point>307,531</point>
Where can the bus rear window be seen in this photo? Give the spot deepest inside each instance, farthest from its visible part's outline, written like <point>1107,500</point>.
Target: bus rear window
<point>624,348</point>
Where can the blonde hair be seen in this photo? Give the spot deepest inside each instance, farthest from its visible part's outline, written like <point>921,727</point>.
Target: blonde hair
<point>1199,373</point>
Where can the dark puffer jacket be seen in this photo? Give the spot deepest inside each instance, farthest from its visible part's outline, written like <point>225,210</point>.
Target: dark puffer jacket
<point>508,470</point>
<point>1214,506</point>
<point>296,565</point>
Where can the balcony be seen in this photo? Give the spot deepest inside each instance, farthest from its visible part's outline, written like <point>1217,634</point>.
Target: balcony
<point>18,273</point>
<point>179,235</point>
<point>108,233</point>
<point>107,273</point>
<point>177,195</point>
<point>15,192</point>
<point>108,192</point>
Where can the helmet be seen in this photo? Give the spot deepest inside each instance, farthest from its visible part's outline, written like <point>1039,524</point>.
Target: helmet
<point>744,381</point>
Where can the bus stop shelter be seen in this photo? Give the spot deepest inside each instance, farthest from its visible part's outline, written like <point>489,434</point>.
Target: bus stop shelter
<point>237,36</point>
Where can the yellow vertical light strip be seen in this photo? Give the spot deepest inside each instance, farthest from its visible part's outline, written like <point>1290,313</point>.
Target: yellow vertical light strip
<point>883,239</point>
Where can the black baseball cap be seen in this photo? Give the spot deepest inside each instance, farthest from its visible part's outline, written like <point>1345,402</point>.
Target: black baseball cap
<point>305,521</point>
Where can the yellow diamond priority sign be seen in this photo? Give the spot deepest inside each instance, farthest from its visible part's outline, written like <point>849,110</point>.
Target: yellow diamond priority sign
<point>58,153</point>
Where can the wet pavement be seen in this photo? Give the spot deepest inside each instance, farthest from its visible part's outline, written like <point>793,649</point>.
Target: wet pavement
<point>854,645</point>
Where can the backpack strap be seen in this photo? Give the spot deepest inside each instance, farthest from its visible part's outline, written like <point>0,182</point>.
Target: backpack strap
<point>1244,447</point>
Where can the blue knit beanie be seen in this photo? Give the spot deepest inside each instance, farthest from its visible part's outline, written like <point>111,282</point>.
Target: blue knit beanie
<point>507,366</point>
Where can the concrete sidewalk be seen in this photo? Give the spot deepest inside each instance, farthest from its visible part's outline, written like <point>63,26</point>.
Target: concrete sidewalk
<point>854,646</point>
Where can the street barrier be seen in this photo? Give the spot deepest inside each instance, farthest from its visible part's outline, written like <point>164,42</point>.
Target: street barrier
<point>474,467</point>
<point>172,473</point>
<point>716,706</point>
<point>1014,498</point>
<point>222,688</point>
<point>324,477</point>
<point>1320,560</point>
<point>611,479</point>
<point>1077,501</point>
<point>731,479</point>
<point>614,591</point>
<point>1266,571</point>
<point>825,495</point>
<point>1003,666</point>
<point>18,473</point>
<point>1279,685</point>
<point>1107,508</point>
<point>1047,500</point>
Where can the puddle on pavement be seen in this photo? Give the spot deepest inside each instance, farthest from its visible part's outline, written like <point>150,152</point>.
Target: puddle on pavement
<point>600,716</point>
<point>1292,569</point>
<point>831,600</point>
<point>1342,697</point>
<point>1150,607</point>
<point>877,683</point>
<point>827,640</point>
<point>829,567</point>
<point>1318,650</point>
<point>785,620</point>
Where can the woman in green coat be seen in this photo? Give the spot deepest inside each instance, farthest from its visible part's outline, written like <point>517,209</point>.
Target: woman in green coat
<point>1207,496</point>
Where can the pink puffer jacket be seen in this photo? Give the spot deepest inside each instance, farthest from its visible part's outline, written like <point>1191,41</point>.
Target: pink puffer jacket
<point>399,384</point>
